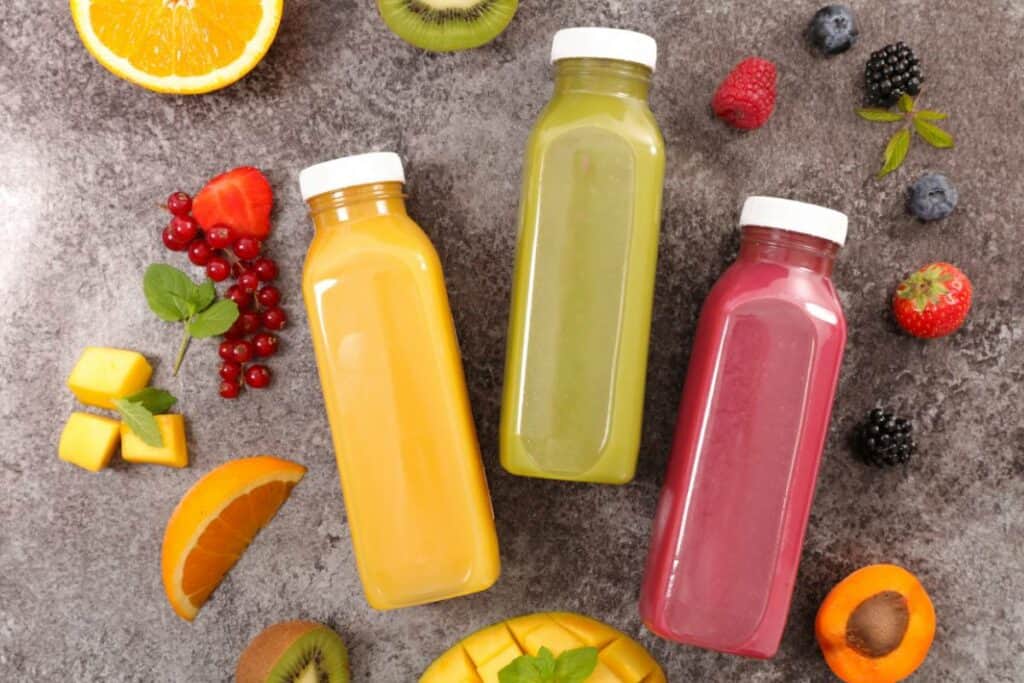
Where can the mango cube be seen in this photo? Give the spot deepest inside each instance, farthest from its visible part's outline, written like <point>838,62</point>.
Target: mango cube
<point>101,375</point>
<point>174,452</point>
<point>88,441</point>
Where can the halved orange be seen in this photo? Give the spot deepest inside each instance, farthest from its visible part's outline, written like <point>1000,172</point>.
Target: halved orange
<point>215,522</point>
<point>178,46</point>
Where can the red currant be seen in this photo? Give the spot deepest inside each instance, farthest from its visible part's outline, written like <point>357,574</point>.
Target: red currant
<point>235,332</point>
<point>242,351</point>
<point>274,318</point>
<point>184,228</point>
<point>249,322</point>
<point>229,389</point>
<point>172,242</point>
<point>269,296</point>
<point>266,344</point>
<point>199,252</point>
<point>219,236</point>
<point>179,203</point>
<point>266,269</point>
<point>247,248</point>
<point>241,297</point>
<point>248,281</point>
<point>218,269</point>
<point>240,267</point>
<point>230,371</point>
<point>226,350</point>
<point>257,376</point>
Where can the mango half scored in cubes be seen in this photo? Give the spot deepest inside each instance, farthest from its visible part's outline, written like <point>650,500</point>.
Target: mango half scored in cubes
<point>89,441</point>
<point>482,655</point>
<point>174,452</point>
<point>102,374</point>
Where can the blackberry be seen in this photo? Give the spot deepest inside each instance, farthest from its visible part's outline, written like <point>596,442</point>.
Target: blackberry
<point>884,440</point>
<point>890,72</point>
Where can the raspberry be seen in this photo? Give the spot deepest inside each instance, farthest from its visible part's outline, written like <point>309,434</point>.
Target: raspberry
<point>746,98</point>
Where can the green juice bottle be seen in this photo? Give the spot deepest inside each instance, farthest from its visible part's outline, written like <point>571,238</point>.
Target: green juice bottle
<point>584,278</point>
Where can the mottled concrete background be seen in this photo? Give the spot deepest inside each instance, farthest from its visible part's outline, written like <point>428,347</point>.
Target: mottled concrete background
<point>85,157</point>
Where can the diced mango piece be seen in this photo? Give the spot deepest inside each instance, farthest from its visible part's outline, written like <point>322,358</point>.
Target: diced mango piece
<point>102,374</point>
<point>88,441</point>
<point>488,670</point>
<point>486,643</point>
<point>174,452</point>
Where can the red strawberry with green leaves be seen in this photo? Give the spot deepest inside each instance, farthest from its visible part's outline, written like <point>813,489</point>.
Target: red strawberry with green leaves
<point>933,301</point>
<point>239,199</point>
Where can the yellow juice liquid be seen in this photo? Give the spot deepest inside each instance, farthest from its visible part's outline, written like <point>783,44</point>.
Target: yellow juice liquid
<point>414,486</point>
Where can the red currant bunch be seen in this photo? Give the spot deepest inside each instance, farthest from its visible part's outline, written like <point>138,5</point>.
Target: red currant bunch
<point>225,256</point>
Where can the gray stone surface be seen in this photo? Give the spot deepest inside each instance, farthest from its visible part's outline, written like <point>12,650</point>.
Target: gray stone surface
<point>85,157</point>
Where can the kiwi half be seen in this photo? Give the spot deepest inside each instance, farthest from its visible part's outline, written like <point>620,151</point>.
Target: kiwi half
<point>294,652</point>
<point>447,25</point>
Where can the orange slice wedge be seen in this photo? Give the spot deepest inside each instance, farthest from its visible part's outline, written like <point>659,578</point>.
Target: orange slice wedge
<point>178,46</point>
<point>215,522</point>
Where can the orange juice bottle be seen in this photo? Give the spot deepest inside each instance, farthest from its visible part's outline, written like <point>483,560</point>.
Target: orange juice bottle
<point>414,485</point>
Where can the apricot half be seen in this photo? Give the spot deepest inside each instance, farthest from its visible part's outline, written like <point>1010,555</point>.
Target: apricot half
<point>876,625</point>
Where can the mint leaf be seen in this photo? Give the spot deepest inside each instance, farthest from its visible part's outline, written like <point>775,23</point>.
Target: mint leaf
<point>217,319</point>
<point>155,401</point>
<point>895,152</point>
<point>930,115</point>
<point>879,115</point>
<point>575,666</point>
<point>545,663</point>
<point>906,103</point>
<point>168,292</point>
<point>140,421</point>
<point>203,296</point>
<point>522,669</point>
<point>932,134</point>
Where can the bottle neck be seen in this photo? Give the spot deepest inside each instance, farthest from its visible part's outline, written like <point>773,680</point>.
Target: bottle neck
<point>771,245</point>
<point>602,77</point>
<point>356,203</point>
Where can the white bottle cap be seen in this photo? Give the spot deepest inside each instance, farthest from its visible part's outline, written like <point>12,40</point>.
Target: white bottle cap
<point>786,214</point>
<point>605,43</point>
<point>361,169</point>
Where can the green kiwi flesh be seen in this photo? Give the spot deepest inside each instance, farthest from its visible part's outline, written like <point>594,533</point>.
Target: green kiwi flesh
<point>447,25</point>
<point>294,652</point>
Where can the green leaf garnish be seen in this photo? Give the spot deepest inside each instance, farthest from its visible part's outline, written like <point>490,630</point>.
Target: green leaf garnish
<point>141,421</point>
<point>173,296</point>
<point>156,401</point>
<point>168,292</point>
<point>932,134</point>
<point>914,121</point>
<point>895,152</point>
<point>572,666</point>
<point>872,114</point>
<point>217,319</point>
<point>576,665</point>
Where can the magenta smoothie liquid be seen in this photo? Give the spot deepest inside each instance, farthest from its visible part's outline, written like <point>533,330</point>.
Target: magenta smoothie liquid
<point>751,429</point>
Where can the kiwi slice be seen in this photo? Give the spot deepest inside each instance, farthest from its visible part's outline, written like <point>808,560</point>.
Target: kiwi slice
<point>447,25</point>
<point>294,652</point>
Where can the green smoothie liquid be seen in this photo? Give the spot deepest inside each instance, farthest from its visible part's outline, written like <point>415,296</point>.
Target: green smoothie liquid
<point>584,278</point>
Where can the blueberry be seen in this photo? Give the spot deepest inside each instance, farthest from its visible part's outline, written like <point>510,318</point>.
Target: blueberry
<point>932,197</point>
<point>833,30</point>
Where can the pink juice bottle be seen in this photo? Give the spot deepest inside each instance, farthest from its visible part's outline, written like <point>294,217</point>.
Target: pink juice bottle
<point>751,429</point>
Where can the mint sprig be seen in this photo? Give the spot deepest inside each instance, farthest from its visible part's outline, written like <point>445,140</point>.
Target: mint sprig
<point>572,666</point>
<point>914,121</point>
<point>173,296</point>
<point>138,411</point>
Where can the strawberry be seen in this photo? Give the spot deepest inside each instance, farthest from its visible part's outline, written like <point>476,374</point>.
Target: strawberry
<point>933,302</point>
<point>240,199</point>
<point>746,98</point>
